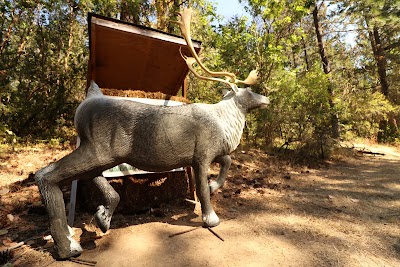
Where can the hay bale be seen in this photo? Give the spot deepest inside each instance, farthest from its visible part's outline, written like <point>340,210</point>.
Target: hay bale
<point>138,193</point>
<point>143,94</point>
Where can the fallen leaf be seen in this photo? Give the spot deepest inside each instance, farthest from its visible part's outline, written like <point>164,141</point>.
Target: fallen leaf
<point>12,244</point>
<point>7,242</point>
<point>226,195</point>
<point>355,200</point>
<point>287,177</point>
<point>4,191</point>
<point>9,207</point>
<point>10,217</point>
<point>3,231</point>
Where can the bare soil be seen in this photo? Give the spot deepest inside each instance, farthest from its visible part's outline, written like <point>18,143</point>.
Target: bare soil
<point>344,212</point>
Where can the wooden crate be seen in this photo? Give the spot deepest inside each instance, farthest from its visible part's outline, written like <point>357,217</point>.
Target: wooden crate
<point>131,57</point>
<point>124,56</point>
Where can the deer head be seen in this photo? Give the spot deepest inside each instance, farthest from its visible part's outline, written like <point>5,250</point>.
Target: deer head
<point>230,78</point>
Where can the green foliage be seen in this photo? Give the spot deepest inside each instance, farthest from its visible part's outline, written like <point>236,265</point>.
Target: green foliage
<point>237,44</point>
<point>43,62</point>
<point>362,111</point>
<point>377,57</point>
<point>202,30</point>
<point>302,111</point>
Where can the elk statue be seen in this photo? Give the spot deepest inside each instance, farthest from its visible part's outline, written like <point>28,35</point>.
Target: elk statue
<point>152,138</point>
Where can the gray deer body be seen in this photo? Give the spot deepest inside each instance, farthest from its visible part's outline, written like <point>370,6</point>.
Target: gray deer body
<point>157,138</point>
<point>152,138</point>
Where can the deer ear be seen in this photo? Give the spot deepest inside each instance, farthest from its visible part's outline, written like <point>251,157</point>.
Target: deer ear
<point>225,92</point>
<point>94,85</point>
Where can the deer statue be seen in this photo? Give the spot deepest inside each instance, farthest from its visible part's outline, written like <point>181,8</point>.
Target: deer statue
<point>152,138</point>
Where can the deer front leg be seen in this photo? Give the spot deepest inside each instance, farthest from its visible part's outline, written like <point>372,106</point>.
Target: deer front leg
<point>225,163</point>
<point>104,213</point>
<point>209,217</point>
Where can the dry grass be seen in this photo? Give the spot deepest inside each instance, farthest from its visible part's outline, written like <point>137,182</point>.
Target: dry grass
<point>143,94</point>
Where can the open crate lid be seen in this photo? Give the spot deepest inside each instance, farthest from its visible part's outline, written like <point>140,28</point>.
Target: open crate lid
<point>131,57</point>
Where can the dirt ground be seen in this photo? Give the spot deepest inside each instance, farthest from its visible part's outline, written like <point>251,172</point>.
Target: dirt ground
<point>345,212</point>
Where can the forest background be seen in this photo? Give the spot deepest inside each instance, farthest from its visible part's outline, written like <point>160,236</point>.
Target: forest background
<point>323,88</point>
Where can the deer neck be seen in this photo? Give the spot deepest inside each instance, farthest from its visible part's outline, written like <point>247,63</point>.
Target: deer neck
<point>232,119</point>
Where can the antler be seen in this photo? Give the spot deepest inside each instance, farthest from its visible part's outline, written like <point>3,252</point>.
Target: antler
<point>190,62</point>
<point>184,25</point>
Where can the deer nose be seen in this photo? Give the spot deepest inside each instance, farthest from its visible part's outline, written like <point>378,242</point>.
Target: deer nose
<point>263,100</point>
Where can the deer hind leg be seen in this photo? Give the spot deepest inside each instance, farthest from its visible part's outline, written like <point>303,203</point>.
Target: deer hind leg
<point>209,217</point>
<point>65,245</point>
<point>81,163</point>
<point>104,213</point>
<point>225,163</point>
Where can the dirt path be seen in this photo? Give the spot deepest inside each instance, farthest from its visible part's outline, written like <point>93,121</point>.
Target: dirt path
<point>347,214</point>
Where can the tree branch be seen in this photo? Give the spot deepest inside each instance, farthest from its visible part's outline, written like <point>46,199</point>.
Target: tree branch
<point>393,45</point>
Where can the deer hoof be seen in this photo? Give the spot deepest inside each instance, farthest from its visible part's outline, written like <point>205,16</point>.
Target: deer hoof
<point>213,186</point>
<point>73,250</point>
<point>210,220</point>
<point>103,219</point>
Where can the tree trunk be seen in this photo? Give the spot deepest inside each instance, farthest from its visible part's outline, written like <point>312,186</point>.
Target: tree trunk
<point>381,64</point>
<point>321,47</point>
<point>7,36</point>
<point>130,11</point>
<point>327,70</point>
<point>166,12</point>
<point>305,54</point>
<point>380,57</point>
<point>175,8</point>
<point>70,37</point>
<point>294,57</point>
